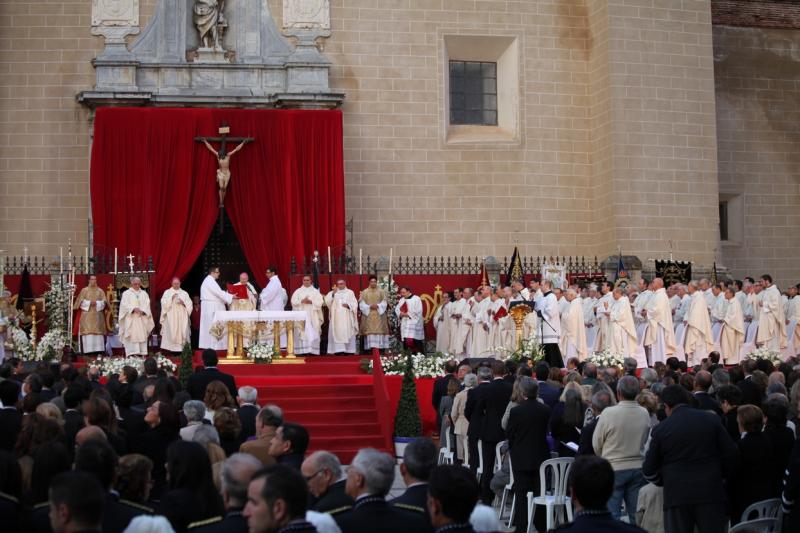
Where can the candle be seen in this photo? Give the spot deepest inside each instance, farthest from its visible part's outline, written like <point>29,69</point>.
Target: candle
<point>115,260</point>
<point>86,259</point>
<point>360,269</point>
<point>391,250</point>
<point>330,263</point>
<point>61,258</point>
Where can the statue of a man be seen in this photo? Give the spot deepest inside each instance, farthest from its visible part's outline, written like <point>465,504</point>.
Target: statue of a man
<point>224,170</point>
<point>207,17</point>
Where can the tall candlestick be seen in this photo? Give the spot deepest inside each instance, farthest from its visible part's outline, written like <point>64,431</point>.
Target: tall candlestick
<point>61,258</point>
<point>360,268</point>
<point>115,260</point>
<point>391,251</point>
<point>330,263</point>
<point>86,259</point>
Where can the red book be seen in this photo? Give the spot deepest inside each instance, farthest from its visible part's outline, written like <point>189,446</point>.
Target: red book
<point>500,313</point>
<point>404,307</point>
<point>240,291</point>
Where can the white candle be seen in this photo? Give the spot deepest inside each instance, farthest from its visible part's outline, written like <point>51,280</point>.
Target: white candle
<point>115,260</point>
<point>360,269</point>
<point>391,251</point>
<point>330,263</point>
<point>61,258</point>
<point>86,259</point>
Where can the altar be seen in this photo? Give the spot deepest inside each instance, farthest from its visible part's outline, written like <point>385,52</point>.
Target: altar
<point>263,320</point>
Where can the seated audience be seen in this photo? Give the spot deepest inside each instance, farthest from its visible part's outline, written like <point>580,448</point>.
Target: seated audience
<point>288,446</point>
<point>326,482</point>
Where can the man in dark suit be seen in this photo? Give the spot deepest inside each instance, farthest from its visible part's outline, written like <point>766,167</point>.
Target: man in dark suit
<point>237,470</point>
<point>419,459</point>
<point>527,444</point>
<point>690,454</point>
<point>453,493</point>
<point>289,445</point>
<point>369,478</point>
<point>730,397</point>
<point>703,400</point>
<point>323,473</point>
<point>751,393</point>
<point>96,457</point>
<point>591,482</point>
<point>277,500</point>
<point>10,417</point>
<point>248,410</point>
<point>48,380</point>
<point>150,376</point>
<point>73,418</point>
<point>440,387</point>
<point>491,402</point>
<point>547,392</point>
<point>77,502</point>
<point>196,386</point>
<point>475,417</point>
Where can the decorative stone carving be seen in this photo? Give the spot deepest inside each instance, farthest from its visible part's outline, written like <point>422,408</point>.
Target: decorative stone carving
<point>115,20</point>
<point>306,14</point>
<point>209,20</point>
<point>307,21</point>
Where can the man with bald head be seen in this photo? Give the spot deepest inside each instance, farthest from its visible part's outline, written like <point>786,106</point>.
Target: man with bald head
<point>135,319</point>
<point>326,481</point>
<point>89,433</point>
<point>176,308</point>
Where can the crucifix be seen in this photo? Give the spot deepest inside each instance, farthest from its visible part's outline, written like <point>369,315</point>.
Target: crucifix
<point>223,156</point>
<point>130,262</point>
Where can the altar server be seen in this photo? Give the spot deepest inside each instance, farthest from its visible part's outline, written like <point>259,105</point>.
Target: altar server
<point>412,321</point>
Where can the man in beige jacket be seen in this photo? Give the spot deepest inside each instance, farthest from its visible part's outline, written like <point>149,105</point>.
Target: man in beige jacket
<point>268,420</point>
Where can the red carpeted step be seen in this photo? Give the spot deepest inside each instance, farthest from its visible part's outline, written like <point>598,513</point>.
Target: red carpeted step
<point>332,416</point>
<point>345,428</point>
<point>311,403</point>
<point>325,442</point>
<point>319,391</point>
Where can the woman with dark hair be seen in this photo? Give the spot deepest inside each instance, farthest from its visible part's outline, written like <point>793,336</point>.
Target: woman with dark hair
<point>50,459</point>
<point>10,492</point>
<point>566,420</point>
<point>97,411</point>
<point>134,478</point>
<point>229,427</point>
<point>191,495</point>
<point>36,431</point>
<point>162,429</point>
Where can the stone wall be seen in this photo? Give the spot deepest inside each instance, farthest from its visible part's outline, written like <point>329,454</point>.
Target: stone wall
<point>758,129</point>
<point>616,145</point>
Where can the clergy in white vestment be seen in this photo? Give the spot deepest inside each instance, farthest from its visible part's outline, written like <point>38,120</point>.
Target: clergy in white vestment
<point>589,318</point>
<point>674,299</point>
<point>307,298</point>
<point>273,298</point>
<point>622,335</point>
<point>660,336</point>
<point>176,308</point>
<point>374,321</point>
<point>699,340</point>
<point>573,328</point>
<point>342,319</point>
<point>135,319</point>
<point>602,312</point>
<point>212,299</point>
<point>92,324</point>
<point>508,328</point>
<point>563,303</point>
<point>441,323</point>
<point>677,320</point>
<point>412,321</point>
<point>772,322</point>
<point>732,335</point>
<point>479,315</point>
<point>708,295</point>
<point>792,319</point>
<point>718,311</point>
<point>754,305</point>
<point>459,327</point>
<point>252,298</point>
<point>551,326</point>
<point>639,310</point>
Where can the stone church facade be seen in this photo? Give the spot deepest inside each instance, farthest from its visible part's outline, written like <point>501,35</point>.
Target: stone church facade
<point>643,125</point>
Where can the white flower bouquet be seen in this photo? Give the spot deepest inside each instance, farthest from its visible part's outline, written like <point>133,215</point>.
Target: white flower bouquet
<point>529,348</point>
<point>607,358</point>
<point>114,365</point>
<point>51,345</point>
<point>261,353</point>
<point>423,366</point>
<point>766,354</point>
<point>21,344</point>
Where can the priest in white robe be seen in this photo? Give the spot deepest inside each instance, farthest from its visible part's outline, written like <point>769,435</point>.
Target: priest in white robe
<point>589,319</point>
<point>677,320</point>
<point>660,336</point>
<point>573,328</point>
<point>623,329</point>
<point>252,298</point>
<point>373,305</point>
<point>307,298</point>
<point>699,340</point>
<point>135,319</point>
<point>640,310</point>
<point>792,320</point>
<point>92,324</point>
<point>602,312</point>
<point>412,321</point>
<point>508,328</point>
<point>441,323</point>
<point>273,298</point>
<point>479,316</point>
<point>459,327</point>
<point>717,312</point>
<point>212,299</point>
<point>176,308</point>
<point>732,335</point>
<point>342,319</point>
<point>551,326</point>
<point>772,322</point>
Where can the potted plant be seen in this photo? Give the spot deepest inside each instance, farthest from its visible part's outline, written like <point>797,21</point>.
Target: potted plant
<point>407,421</point>
<point>186,365</point>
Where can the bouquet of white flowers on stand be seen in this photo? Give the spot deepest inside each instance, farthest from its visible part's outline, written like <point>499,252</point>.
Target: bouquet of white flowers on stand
<point>21,344</point>
<point>423,366</point>
<point>51,345</point>
<point>765,354</point>
<point>261,353</point>
<point>109,366</point>
<point>607,359</point>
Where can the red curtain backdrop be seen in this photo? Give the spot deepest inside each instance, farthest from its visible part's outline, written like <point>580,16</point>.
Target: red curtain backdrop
<point>154,191</point>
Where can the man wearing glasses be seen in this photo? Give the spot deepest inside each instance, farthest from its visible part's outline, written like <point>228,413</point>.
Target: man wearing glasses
<point>326,482</point>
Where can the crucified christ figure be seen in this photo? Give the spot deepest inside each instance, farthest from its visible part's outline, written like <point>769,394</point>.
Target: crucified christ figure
<point>224,170</point>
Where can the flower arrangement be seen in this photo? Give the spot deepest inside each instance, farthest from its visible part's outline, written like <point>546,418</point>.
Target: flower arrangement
<point>261,353</point>
<point>766,354</point>
<point>21,344</point>
<point>56,304</point>
<point>422,365</point>
<point>607,358</point>
<point>51,345</point>
<point>113,365</point>
<point>530,348</point>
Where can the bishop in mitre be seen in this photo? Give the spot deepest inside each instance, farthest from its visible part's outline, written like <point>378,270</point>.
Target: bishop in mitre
<point>622,331</point>
<point>573,328</point>
<point>135,319</point>
<point>307,298</point>
<point>212,299</point>
<point>92,325</point>
<point>176,308</point>
<point>732,335</point>
<point>412,322</point>
<point>374,321</point>
<point>343,319</point>
<point>699,339</point>
<point>441,323</point>
<point>772,322</point>
<point>660,334</point>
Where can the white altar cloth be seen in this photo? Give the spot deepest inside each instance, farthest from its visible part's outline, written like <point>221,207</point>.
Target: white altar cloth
<point>309,334</point>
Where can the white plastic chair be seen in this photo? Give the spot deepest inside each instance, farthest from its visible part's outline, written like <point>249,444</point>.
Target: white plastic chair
<point>479,471</point>
<point>446,452</point>
<point>762,525</point>
<point>508,489</point>
<point>556,496</point>
<point>764,509</point>
<point>498,456</point>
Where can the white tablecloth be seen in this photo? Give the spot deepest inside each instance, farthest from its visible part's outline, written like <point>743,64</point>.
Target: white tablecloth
<point>309,334</point>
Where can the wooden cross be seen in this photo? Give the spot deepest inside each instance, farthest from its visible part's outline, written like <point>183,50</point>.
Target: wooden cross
<point>223,138</point>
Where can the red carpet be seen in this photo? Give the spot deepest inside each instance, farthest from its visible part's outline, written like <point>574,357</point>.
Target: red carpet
<point>331,396</point>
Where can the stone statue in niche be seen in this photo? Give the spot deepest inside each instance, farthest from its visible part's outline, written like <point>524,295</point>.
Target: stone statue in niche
<point>209,19</point>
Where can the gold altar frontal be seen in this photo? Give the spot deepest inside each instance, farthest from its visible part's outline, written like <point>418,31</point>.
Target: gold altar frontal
<point>235,353</point>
